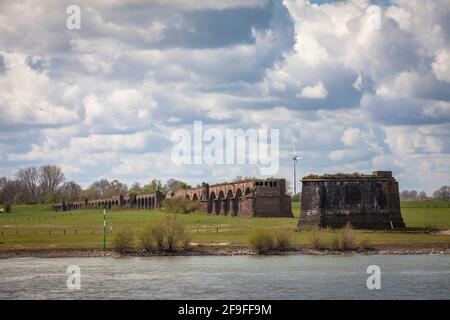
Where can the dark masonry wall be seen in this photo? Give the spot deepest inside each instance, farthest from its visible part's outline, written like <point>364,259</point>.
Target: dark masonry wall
<point>363,201</point>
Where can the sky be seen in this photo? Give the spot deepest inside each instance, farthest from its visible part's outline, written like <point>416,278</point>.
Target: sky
<point>351,92</point>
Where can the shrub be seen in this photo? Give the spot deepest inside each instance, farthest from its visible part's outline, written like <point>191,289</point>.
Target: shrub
<point>335,242</point>
<point>365,244</point>
<point>146,237</point>
<point>192,206</point>
<point>123,240</point>
<point>347,238</point>
<point>317,239</point>
<point>283,239</point>
<point>8,208</point>
<point>186,241</point>
<point>174,231</point>
<point>261,240</point>
<point>179,205</point>
<point>157,231</point>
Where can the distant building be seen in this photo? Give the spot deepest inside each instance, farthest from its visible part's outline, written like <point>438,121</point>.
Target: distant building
<point>363,201</point>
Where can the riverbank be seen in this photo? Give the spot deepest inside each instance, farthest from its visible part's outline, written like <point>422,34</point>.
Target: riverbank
<point>36,231</point>
<point>406,249</point>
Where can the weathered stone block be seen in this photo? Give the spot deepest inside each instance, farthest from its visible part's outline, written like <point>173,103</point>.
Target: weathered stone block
<point>363,201</point>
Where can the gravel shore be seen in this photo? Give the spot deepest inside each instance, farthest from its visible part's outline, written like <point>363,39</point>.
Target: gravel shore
<point>214,251</point>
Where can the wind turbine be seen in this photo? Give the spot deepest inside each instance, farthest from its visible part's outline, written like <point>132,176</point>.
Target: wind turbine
<point>295,158</point>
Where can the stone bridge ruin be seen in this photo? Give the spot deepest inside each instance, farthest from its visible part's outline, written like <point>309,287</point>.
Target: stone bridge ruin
<point>252,198</point>
<point>363,201</point>
<point>139,201</point>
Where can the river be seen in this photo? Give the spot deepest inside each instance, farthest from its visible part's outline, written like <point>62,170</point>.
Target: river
<point>236,277</point>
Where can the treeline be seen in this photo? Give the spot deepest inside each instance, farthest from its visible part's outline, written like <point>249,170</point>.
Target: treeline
<point>443,193</point>
<point>48,184</point>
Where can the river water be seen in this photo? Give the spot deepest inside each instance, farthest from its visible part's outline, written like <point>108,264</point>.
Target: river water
<point>237,277</point>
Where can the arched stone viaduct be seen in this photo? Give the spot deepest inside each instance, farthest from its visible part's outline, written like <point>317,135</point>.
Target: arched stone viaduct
<point>263,198</point>
<point>140,201</point>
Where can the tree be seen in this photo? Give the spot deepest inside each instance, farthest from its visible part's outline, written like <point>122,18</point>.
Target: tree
<point>408,195</point>
<point>413,195</point>
<point>90,193</point>
<point>296,197</point>
<point>443,193</point>
<point>136,187</point>
<point>101,188</point>
<point>70,191</point>
<point>50,177</point>
<point>404,195</point>
<point>174,185</point>
<point>3,182</point>
<point>422,195</point>
<point>153,186</point>
<point>10,192</point>
<point>115,188</point>
<point>29,180</point>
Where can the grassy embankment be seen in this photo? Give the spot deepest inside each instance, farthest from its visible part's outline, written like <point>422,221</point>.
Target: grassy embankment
<point>37,226</point>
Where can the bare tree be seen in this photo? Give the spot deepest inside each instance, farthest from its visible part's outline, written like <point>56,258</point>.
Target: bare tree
<point>90,193</point>
<point>101,187</point>
<point>50,177</point>
<point>136,187</point>
<point>29,180</point>
<point>10,191</point>
<point>70,191</point>
<point>408,195</point>
<point>404,195</point>
<point>422,195</point>
<point>115,188</point>
<point>442,194</point>
<point>3,182</point>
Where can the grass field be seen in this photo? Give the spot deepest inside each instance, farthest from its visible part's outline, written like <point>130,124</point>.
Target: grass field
<point>37,226</point>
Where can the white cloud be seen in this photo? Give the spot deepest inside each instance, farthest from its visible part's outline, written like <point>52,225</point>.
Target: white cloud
<point>407,140</point>
<point>441,65</point>
<point>29,96</point>
<point>101,102</point>
<point>318,91</point>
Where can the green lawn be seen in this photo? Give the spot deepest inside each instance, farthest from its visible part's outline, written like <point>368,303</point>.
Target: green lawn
<point>32,226</point>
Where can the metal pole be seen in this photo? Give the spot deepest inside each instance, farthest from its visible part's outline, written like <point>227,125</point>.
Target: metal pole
<point>104,229</point>
<point>295,177</point>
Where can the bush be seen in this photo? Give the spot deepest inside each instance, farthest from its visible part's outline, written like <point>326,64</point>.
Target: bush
<point>186,241</point>
<point>146,237</point>
<point>296,197</point>
<point>8,208</point>
<point>261,240</point>
<point>123,240</point>
<point>179,205</point>
<point>347,238</point>
<point>335,242</point>
<point>174,231</point>
<point>157,231</point>
<point>365,244</point>
<point>317,239</point>
<point>283,239</point>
